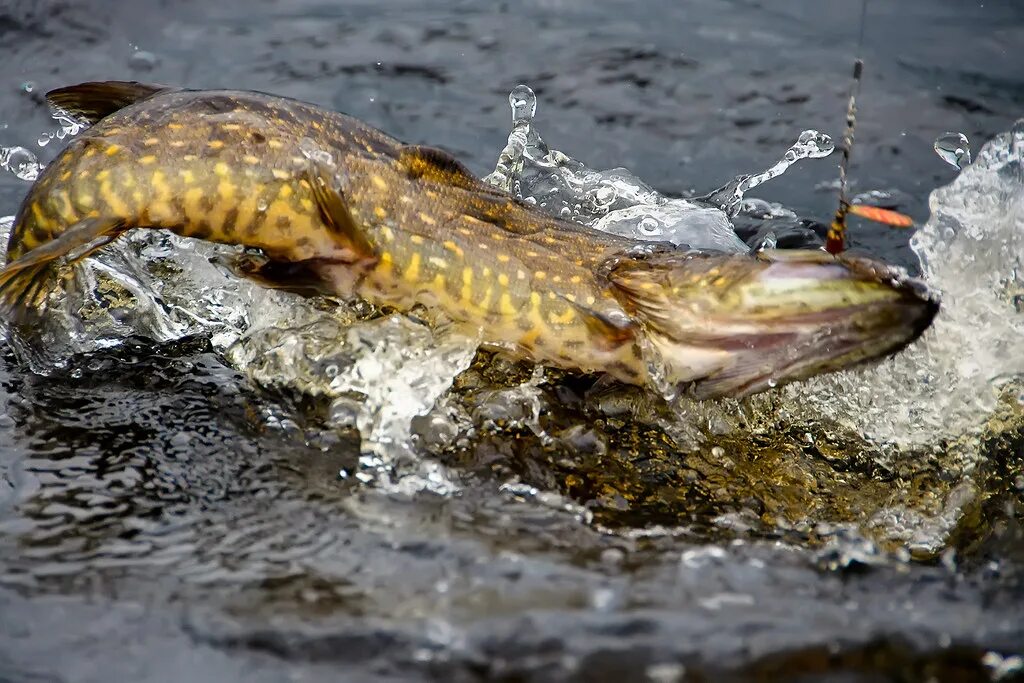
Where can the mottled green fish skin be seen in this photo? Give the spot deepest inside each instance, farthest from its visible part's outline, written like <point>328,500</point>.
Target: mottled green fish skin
<point>404,226</point>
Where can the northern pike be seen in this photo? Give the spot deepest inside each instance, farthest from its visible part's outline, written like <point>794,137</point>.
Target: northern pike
<point>335,205</point>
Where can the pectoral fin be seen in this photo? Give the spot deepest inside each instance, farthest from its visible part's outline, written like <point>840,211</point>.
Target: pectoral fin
<point>355,248</point>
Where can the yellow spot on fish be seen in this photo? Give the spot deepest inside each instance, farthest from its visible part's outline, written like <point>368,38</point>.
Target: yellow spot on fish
<point>65,175</point>
<point>552,296</point>
<point>438,262</point>
<point>114,203</point>
<point>231,126</point>
<point>385,263</point>
<point>307,203</point>
<point>41,220</point>
<point>89,152</point>
<point>190,157</point>
<point>562,319</point>
<point>521,274</point>
<point>379,182</point>
<point>505,306</point>
<point>467,283</point>
<point>535,300</point>
<point>416,239</point>
<point>148,159</point>
<point>576,279</point>
<point>149,142</point>
<point>112,150</point>
<point>540,275</point>
<point>187,176</point>
<point>504,258</point>
<point>591,300</point>
<point>465,231</point>
<point>137,196</point>
<point>379,212</point>
<point>279,174</point>
<point>286,191</point>
<point>412,272</point>
<point>221,169</point>
<point>250,159</point>
<point>175,126</point>
<point>193,210</point>
<point>486,301</point>
<point>503,279</point>
<point>451,246</point>
<point>557,278</point>
<point>215,144</point>
<point>67,210</point>
<point>275,144</point>
<point>424,217</point>
<point>389,236</point>
<point>103,175</point>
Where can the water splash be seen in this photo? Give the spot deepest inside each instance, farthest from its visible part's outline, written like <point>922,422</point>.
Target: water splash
<point>20,162</point>
<point>617,201</point>
<point>811,144</point>
<point>69,127</point>
<point>954,149</point>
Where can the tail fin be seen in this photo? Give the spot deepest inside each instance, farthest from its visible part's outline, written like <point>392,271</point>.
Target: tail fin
<point>25,282</point>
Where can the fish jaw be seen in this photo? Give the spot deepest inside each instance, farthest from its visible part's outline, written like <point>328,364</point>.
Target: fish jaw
<point>734,326</point>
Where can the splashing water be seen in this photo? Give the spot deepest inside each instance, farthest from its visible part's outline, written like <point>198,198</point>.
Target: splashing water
<point>954,149</point>
<point>617,201</point>
<point>972,250</point>
<point>20,162</point>
<point>381,374</point>
<point>69,127</point>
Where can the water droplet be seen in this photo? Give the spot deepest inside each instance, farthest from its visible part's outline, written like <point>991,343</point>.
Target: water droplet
<point>261,205</point>
<point>772,382</point>
<point>565,212</point>
<point>20,162</point>
<point>311,150</point>
<point>954,149</point>
<point>718,451</point>
<point>649,227</point>
<point>28,86</point>
<point>604,195</point>
<point>141,60</point>
<point>524,104</point>
<point>44,139</point>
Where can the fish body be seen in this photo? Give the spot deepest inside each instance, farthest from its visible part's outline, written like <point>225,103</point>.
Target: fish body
<point>332,201</point>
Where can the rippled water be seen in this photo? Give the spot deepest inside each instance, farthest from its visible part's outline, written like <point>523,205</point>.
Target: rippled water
<point>244,499</point>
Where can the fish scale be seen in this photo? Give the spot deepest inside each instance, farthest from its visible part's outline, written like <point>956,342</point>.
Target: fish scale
<point>331,201</point>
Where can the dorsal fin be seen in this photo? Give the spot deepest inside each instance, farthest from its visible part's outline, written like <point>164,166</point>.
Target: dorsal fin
<point>90,102</point>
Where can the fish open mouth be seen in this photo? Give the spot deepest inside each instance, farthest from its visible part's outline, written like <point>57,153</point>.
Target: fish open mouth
<point>732,326</point>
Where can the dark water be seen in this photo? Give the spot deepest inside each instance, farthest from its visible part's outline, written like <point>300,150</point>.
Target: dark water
<point>155,525</point>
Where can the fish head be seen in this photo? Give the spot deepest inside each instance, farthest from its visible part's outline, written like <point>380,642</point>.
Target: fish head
<point>733,325</point>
